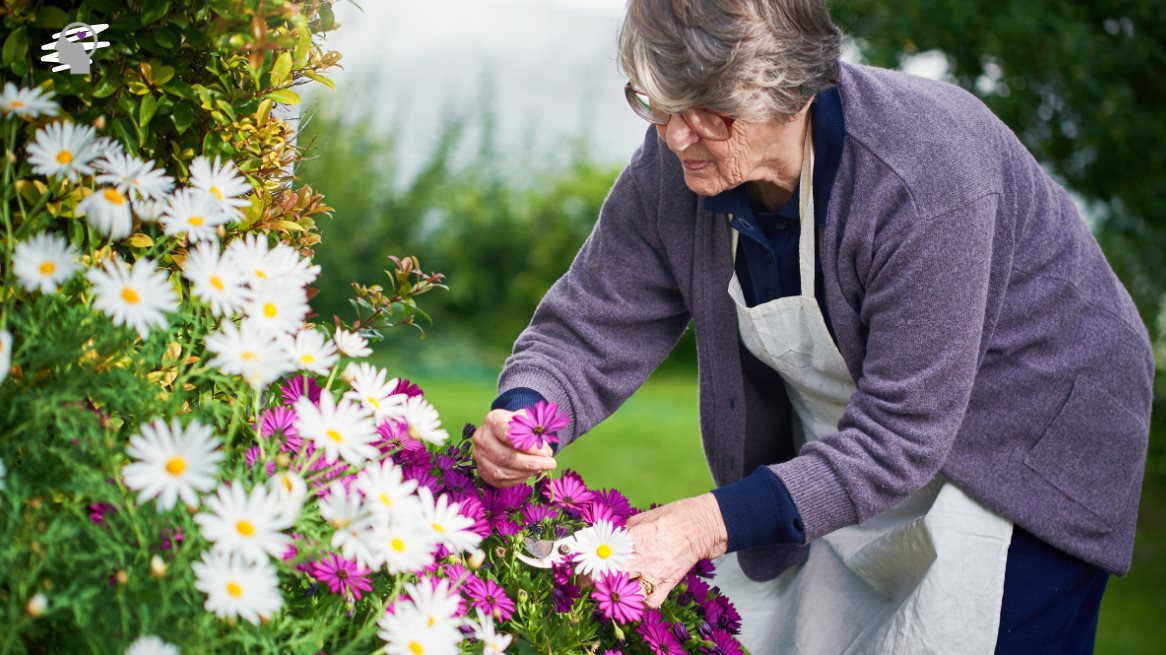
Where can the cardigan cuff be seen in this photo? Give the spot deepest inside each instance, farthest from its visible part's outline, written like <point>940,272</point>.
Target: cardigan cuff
<point>517,398</point>
<point>759,511</point>
<point>818,494</point>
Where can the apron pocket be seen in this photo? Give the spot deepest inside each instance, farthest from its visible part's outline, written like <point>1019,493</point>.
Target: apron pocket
<point>1092,451</point>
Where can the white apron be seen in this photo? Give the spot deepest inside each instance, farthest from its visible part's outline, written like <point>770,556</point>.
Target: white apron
<point>926,576</point>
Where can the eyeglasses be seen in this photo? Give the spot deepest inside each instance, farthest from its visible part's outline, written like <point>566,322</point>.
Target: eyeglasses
<point>707,123</point>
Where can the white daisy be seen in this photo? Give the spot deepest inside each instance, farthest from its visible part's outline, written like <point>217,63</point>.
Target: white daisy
<point>64,149</point>
<point>27,103</point>
<point>215,279</point>
<point>291,266</point>
<point>371,389</point>
<point>404,544</point>
<point>433,599</point>
<point>352,522</point>
<point>148,211</point>
<point>492,642</point>
<point>132,176</point>
<point>222,181</point>
<point>247,524</point>
<point>351,344</point>
<point>447,525</point>
<point>104,146</point>
<point>172,462</point>
<point>108,211</point>
<point>386,491</point>
<point>311,351</point>
<point>424,422</point>
<point>192,212</point>
<point>247,352</point>
<point>151,645</point>
<point>44,262</point>
<point>237,588</point>
<point>603,548</point>
<point>342,429</point>
<point>407,632</point>
<point>138,297</point>
<point>5,353</point>
<point>263,263</point>
<point>275,307</point>
<point>291,490</point>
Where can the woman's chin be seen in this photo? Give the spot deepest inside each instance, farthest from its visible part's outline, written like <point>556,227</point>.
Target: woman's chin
<point>703,185</point>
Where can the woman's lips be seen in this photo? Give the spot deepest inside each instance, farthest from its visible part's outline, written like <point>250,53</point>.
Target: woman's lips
<point>696,165</point>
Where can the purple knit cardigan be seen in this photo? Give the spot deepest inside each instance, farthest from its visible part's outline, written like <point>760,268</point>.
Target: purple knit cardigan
<point>989,339</point>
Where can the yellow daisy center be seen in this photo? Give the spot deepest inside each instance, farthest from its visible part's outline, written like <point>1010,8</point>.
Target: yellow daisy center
<point>130,296</point>
<point>335,436</point>
<point>175,466</point>
<point>217,283</point>
<point>431,621</point>
<point>307,359</point>
<point>261,274</point>
<point>287,482</point>
<point>215,190</point>
<point>270,310</point>
<point>113,197</point>
<point>604,551</point>
<point>372,400</point>
<point>397,544</point>
<point>416,648</point>
<point>195,221</point>
<point>438,528</point>
<point>245,527</point>
<point>16,104</point>
<point>414,432</point>
<point>48,268</point>
<point>64,157</point>
<point>385,500</point>
<point>234,589</point>
<point>250,356</point>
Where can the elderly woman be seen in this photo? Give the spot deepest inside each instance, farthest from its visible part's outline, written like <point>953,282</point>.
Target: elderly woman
<point>924,395</point>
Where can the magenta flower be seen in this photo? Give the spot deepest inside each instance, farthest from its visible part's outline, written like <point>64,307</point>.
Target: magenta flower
<point>343,576</point>
<point>537,426</point>
<point>659,637</point>
<point>471,507</point>
<point>534,514</point>
<point>704,568</point>
<point>619,597</point>
<point>294,388</point>
<point>487,596</point>
<point>97,512</point>
<point>592,512</point>
<point>698,588</point>
<point>723,643</point>
<point>251,457</point>
<point>720,612</point>
<point>619,504</point>
<point>569,491</point>
<point>280,423</point>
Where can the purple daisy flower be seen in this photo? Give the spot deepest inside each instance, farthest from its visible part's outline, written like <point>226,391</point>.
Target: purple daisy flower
<point>720,612</point>
<point>534,514</point>
<point>343,576</point>
<point>593,511</point>
<point>658,635</point>
<point>537,426</point>
<point>252,457</point>
<point>723,643</point>
<point>619,597</point>
<point>563,597</point>
<point>459,484</point>
<point>619,504</point>
<point>280,423</point>
<point>408,388</point>
<point>294,388</point>
<point>569,491</point>
<point>487,596</point>
<point>699,588</point>
<point>97,512</point>
<point>681,633</point>
<point>471,507</point>
<point>704,568</point>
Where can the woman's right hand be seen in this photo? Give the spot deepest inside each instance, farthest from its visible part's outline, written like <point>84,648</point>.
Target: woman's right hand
<point>501,464</point>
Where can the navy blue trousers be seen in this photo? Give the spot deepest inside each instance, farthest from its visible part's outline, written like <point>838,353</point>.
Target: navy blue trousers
<point>1051,600</point>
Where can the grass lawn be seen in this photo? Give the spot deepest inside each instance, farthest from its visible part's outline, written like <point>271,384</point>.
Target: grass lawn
<point>650,449</point>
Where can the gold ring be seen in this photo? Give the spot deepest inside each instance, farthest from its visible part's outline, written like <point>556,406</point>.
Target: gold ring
<point>647,587</point>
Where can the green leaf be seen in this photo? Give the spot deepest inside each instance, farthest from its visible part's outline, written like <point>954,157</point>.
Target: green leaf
<point>166,37</point>
<point>182,116</point>
<point>285,97</point>
<point>110,81</point>
<point>126,132</point>
<point>152,10</point>
<point>327,18</point>
<point>146,110</point>
<point>15,46</point>
<point>162,73</point>
<point>282,69</point>
<point>51,17</point>
<point>321,79</point>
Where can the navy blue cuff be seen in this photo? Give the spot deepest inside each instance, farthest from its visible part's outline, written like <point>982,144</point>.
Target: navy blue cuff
<point>517,398</point>
<point>758,511</point>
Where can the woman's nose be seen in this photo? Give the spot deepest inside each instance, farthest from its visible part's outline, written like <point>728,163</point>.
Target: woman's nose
<point>677,134</point>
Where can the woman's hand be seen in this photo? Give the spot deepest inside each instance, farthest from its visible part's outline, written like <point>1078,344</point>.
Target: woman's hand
<point>501,464</point>
<point>671,539</point>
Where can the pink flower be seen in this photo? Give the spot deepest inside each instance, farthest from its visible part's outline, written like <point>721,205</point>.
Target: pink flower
<point>535,514</point>
<point>294,388</point>
<point>569,491</point>
<point>97,512</point>
<point>619,597</point>
<point>537,426</point>
<point>487,596</point>
<point>406,387</point>
<point>723,643</point>
<point>343,576</point>
<point>658,635</point>
<point>280,422</point>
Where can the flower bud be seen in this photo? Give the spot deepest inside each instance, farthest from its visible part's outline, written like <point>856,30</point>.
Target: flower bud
<point>618,631</point>
<point>37,605</point>
<point>476,559</point>
<point>121,576</point>
<point>157,567</point>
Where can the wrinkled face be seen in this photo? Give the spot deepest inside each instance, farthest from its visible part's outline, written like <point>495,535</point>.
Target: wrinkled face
<point>754,152</point>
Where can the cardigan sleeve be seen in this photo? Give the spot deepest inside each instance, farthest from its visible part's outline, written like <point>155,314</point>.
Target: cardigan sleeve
<point>924,307</point>
<point>606,324</point>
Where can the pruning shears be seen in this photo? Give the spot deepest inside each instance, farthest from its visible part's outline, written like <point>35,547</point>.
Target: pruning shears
<point>545,553</point>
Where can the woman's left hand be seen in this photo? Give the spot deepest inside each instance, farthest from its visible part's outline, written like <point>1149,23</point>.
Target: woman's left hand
<point>670,539</point>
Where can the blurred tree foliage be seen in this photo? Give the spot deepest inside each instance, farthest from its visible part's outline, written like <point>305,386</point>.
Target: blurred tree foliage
<point>1080,83</point>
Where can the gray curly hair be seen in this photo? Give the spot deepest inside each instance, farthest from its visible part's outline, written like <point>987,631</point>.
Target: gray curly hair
<point>753,59</point>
